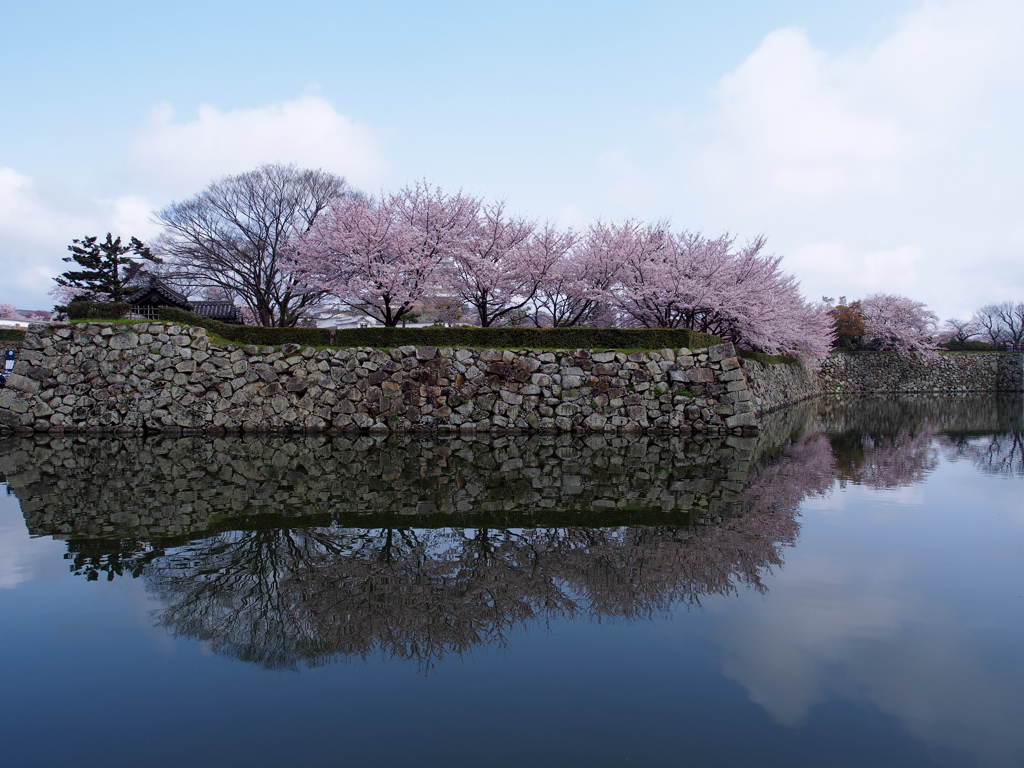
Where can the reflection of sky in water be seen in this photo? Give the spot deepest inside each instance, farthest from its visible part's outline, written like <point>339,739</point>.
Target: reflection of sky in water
<point>890,635</point>
<point>23,559</point>
<point>909,602</point>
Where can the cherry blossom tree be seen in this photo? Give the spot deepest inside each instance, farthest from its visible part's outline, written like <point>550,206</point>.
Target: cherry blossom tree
<point>502,264</point>
<point>381,256</point>
<point>761,307</point>
<point>577,291</point>
<point>689,280</point>
<point>898,323</point>
<point>8,312</point>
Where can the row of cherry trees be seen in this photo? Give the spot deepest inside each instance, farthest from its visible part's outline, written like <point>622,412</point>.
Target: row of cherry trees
<point>887,321</point>
<point>385,256</point>
<point>884,321</point>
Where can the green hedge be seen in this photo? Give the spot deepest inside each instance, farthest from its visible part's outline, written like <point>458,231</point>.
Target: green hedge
<point>464,336</point>
<point>97,310</point>
<point>972,346</point>
<point>11,334</point>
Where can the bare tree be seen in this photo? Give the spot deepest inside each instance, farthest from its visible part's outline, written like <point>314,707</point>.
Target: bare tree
<point>1011,317</point>
<point>238,234</point>
<point>989,319</point>
<point>956,332</point>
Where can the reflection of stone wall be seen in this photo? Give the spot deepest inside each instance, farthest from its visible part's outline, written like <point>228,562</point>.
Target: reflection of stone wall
<point>872,415</point>
<point>170,487</point>
<point>158,377</point>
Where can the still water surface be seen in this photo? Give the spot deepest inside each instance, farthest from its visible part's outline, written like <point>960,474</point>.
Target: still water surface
<point>845,589</point>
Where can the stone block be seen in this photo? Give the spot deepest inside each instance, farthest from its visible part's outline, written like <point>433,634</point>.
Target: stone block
<point>22,384</point>
<point>741,420</point>
<point>511,398</point>
<point>720,352</point>
<point>126,340</point>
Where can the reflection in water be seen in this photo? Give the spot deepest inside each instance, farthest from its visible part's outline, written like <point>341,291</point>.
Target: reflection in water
<point>288,552</point>
<point>884,442</point>
<point>284,552</point>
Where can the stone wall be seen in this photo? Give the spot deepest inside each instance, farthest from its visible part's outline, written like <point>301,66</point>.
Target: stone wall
<point>778,386</point>
<point>156,377</point>
<point>865,373</point>
<point>150,377</point>
<point>874,372</point>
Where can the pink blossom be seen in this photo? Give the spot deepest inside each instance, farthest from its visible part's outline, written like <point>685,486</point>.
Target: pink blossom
<point>898,323</point>
<point>382,256</point>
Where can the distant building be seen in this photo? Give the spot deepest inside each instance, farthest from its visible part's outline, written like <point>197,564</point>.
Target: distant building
<point>155,293</point>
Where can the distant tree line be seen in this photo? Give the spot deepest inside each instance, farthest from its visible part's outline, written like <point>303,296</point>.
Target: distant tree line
<point>885,321</point>
<point>286,242</point>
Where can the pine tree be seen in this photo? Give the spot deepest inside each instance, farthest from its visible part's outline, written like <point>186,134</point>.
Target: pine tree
<point>106,269</point>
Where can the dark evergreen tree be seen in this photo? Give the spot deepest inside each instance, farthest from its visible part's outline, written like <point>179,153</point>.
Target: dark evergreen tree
<point>107,271</point>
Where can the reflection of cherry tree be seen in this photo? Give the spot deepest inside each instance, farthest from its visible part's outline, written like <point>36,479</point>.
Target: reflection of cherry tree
<point>284,597</point>
<point>225,591</point>
<point>1000,454</point>
<point>887,461</point>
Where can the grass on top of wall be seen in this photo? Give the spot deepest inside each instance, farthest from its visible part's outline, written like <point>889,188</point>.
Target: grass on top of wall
<point>439,336</point>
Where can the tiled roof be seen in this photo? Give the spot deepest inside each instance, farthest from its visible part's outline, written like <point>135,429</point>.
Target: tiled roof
<point>224,311</point>
<point>154,290</point>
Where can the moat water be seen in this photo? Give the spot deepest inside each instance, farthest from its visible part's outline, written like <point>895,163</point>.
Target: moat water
<point>845,589</point>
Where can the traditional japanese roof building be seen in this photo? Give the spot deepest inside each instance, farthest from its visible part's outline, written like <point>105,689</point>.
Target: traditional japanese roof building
<point>155,293</point>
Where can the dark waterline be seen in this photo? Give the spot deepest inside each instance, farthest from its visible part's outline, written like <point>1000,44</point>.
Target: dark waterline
<point>845,589</point>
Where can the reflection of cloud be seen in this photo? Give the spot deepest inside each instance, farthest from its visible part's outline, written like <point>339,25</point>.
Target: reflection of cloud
<point>844,628</point>
<point>23,559</point>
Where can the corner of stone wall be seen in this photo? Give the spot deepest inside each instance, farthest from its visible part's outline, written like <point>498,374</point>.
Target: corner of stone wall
<point>778,385</point>
<point>1010,375</point>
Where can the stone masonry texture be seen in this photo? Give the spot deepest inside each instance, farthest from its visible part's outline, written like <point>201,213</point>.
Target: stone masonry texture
<point>157,377</point>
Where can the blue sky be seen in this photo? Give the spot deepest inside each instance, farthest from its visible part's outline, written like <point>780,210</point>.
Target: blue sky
<point>877,144</point>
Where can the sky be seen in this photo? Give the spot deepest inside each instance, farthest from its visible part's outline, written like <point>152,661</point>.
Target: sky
<point>877,145</point>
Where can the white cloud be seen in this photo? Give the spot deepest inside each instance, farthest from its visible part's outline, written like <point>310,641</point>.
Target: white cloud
<point>796,123</point>
<point>39,220</point>
<point>789,125</point>
<point>35,227</point>
<point>183,157</point>
<point>831,268</point>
